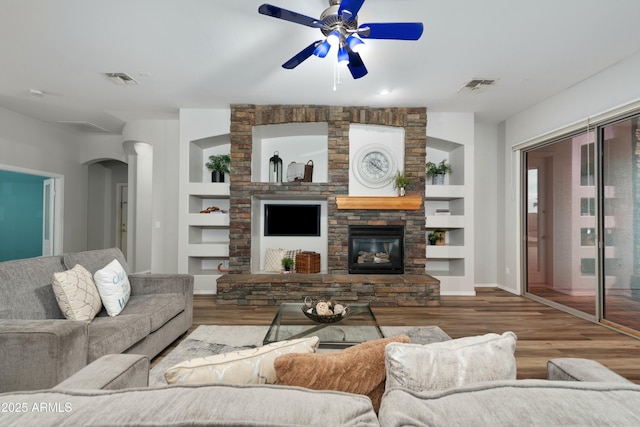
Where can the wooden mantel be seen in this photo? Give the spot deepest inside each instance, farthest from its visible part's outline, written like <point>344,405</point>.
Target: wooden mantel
<point>407,203</point>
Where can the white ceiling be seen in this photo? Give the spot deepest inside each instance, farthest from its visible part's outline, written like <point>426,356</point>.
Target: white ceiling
<point>212,53</point>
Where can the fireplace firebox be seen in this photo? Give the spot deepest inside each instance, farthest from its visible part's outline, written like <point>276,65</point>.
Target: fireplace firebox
<point>376,249</point>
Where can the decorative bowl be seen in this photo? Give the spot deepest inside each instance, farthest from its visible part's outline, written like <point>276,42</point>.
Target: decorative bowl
<point>332,318</point>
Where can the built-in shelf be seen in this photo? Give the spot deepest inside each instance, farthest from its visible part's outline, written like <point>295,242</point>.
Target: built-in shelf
<point>449,207</point>
<point>407,203</point>
<point>444,192</point>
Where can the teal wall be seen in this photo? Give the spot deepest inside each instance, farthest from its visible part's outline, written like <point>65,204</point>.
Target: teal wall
<point>20,215</point>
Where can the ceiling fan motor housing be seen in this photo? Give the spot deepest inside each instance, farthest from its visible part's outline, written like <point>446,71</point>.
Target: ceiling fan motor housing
<point>335,22</point>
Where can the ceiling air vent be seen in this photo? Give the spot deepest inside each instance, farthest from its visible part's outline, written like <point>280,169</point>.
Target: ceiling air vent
<point>83,126</point>
<point>121,78</point>
<point>477,84</point>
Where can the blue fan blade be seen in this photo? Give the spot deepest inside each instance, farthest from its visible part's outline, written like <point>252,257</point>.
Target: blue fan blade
<point>352,6</point>
<point>301,56</point>
<point>287,15</point>
<point>392,30</point>
<point>356,66</point>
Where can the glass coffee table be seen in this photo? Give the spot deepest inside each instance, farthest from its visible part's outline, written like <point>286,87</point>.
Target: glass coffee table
<point>359,325</point>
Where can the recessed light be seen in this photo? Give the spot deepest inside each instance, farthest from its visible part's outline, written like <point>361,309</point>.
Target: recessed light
<point>384,92</point>
<point>36,92</point>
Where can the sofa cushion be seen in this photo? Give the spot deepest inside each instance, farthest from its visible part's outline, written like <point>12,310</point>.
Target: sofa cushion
<point>249,366</point>
<point>358,369</point>
<point>448,364</point>
<point>212,405</point>
<point>575,369</point>
<point>109,335</point>
<point>114,287</point>
<point>515,403</point>
<point>77,294</point>
<point>160,308</point>
<point>95,260</point>
<point>25,288</point>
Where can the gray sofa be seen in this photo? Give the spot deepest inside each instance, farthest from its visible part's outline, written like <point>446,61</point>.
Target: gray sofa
<point>112,392</point>
<point>39,348</point>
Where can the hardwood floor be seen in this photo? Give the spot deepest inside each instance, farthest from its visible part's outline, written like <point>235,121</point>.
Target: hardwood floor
<point>543,332</point>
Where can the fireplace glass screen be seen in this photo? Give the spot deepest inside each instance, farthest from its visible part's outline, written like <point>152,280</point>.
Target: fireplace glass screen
<point>376,250</point>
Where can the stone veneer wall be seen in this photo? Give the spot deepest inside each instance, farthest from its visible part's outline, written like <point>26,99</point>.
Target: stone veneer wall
<point>244,117</point>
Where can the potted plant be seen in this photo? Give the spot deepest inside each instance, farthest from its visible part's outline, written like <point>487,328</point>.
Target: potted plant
<point>438,171</point>
<point>437,237</point>
<point>287,264</point>
<point>218,165</point>
<point>400,182</point>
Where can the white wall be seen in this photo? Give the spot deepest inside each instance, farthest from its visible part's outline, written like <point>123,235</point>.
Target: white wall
<point>611,88</point>
<point>32,144</point>
<point>487,232</point>
<point>156,245</point>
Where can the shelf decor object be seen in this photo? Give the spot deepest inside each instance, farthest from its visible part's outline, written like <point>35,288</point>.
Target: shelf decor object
<point>275,168</point>
<point>218,165</point>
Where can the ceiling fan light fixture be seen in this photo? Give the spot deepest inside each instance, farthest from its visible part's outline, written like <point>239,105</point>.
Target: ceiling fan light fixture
<point>322,50</point>
<point>334,37</point>
<point>343,55</point>
<point>355,44</point>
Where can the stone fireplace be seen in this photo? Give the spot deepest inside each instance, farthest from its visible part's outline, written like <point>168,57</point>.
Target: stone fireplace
<point>413,287</point>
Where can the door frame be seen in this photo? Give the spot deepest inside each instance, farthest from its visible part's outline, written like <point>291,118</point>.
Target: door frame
<point>120,218</point>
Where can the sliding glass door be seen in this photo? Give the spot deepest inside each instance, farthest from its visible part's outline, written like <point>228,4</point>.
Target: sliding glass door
<point>621,236</point>
<point>560,223</point>
<point>582,222</point>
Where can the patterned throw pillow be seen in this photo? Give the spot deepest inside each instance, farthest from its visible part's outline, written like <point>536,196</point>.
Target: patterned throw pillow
<point>113,285</point>
<point>448,364</point>
<point>250,366</point>
<point>273,259</point>
<point>76,294</point>
<point>291,253</point>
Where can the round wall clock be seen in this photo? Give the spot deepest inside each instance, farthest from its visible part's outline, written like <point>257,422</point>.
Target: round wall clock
<point>374,165</point>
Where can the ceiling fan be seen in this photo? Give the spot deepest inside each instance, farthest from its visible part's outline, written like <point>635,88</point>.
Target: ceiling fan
<point>339,24</point>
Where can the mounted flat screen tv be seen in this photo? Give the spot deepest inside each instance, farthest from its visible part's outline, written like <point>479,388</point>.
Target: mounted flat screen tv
<point>291,220</point>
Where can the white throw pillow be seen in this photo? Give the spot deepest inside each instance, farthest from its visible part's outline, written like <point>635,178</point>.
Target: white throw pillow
<point>113,285</point>
<point>448,364</point>
<point>250,366</point>
<point>77,294</point>
<point>273,259</point>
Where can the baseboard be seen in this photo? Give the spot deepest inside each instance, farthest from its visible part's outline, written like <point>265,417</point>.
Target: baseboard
<point>495,285</point>
<point>204,292</point>
<point>458,293</point>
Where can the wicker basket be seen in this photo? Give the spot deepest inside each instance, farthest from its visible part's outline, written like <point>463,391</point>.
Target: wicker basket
<point>308,262</point>
<point>334,318</point>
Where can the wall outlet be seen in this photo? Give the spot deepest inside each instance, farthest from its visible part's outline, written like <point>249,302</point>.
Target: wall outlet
<point>507,271</point>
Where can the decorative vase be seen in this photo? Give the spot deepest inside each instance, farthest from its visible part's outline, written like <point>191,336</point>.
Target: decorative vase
<point>441,238</point>
<point>437,179</point>
<point>217,176</point>
<point>401,192</point>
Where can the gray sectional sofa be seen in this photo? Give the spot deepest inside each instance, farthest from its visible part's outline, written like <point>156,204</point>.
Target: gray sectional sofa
<point>112,392</point>
<point>39,348</point>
